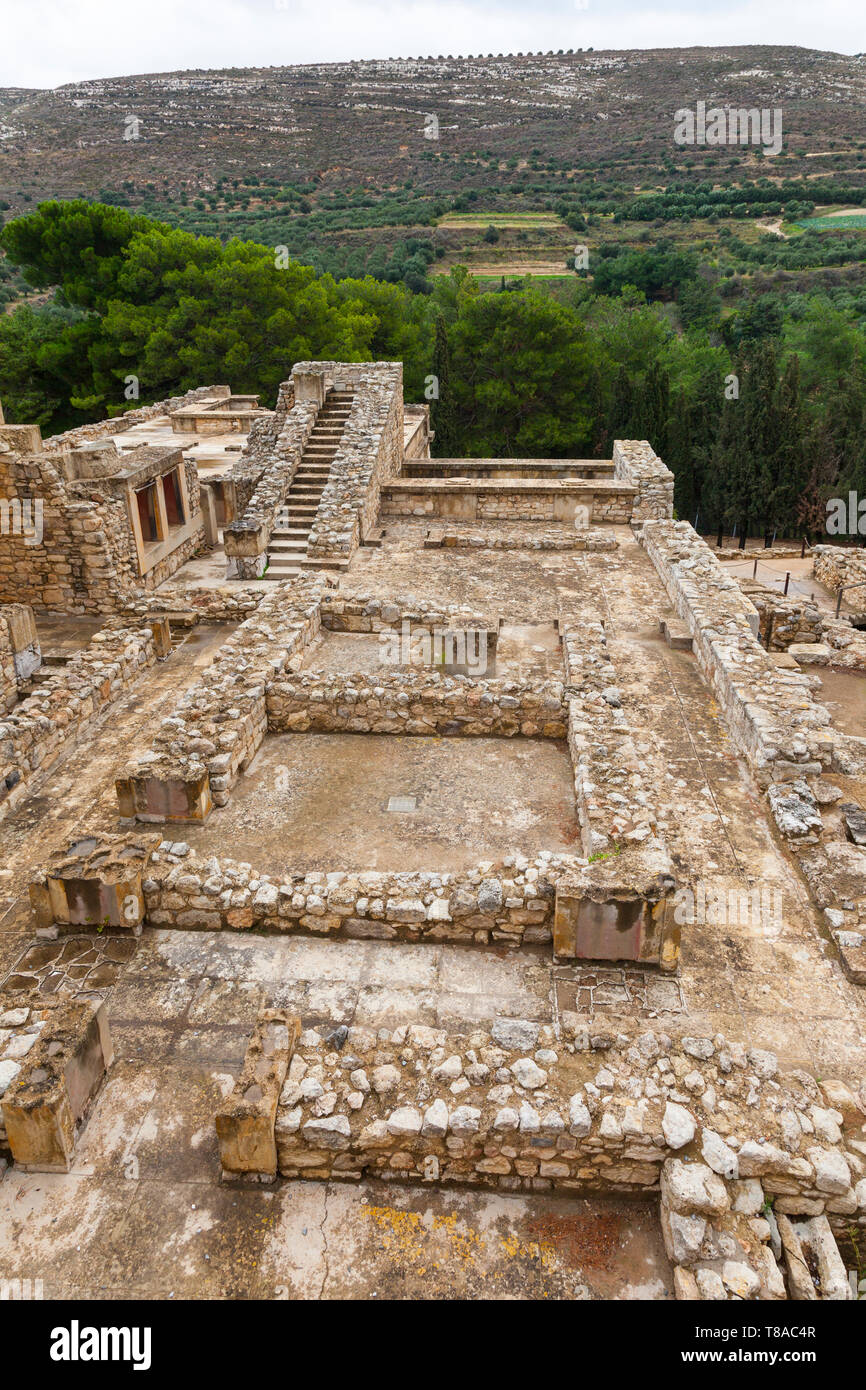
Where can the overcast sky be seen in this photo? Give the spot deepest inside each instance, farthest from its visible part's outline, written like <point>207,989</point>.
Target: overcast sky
<point>44,43</point>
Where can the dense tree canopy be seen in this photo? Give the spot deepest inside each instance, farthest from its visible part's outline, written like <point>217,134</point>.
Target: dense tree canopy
<point>760,410</point>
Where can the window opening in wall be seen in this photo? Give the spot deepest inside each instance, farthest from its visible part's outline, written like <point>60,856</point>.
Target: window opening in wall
<point>173,499</point>
<point>148,515</point>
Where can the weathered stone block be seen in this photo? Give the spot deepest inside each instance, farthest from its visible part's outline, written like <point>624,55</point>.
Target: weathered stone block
<point>95,882</point>
<point>245,1125</point>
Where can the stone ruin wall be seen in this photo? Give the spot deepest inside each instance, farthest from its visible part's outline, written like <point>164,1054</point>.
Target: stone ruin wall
<point>789,620</point>
<point>220,721</point>
<point>40,727</point>
<point>615,800</point>
<point>734,1147</point>
<point>254,687</point>
<point>636,462</point>
<point>837,565</point>
<point>507,901</point>
<point>189,604</point>
<point>785,734</point>
<point>415,702</point>
<point>776,724</point>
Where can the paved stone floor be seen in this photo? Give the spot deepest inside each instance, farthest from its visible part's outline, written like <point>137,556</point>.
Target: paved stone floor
<point>324,801</point>
<point>144,1212</point>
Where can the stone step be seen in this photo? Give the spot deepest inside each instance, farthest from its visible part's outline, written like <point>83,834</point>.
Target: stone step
<point>676,634</point>
<point>277,572</point>
<point>284,566</point>
<point>311,563</point>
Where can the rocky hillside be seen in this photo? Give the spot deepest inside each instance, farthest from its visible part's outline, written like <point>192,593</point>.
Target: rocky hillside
<point>367,124</point>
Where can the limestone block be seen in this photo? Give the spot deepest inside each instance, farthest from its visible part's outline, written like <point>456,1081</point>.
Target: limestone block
<point>169,798</point>
<point>46,1105</point>
<point>245,1124</point>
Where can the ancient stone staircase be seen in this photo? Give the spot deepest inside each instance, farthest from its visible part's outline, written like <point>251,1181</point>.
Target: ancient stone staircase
<point>288,547</point>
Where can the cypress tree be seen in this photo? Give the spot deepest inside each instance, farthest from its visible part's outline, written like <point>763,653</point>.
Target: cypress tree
<point>443,414</point>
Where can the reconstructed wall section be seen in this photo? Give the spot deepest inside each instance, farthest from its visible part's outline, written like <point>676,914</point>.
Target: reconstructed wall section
<point>66,543</point>
<point>78,558</point>
<point>478,500</point>
<point>246,539</point>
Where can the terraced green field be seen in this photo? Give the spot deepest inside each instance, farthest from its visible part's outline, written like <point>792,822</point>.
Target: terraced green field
<point>847,222</point>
